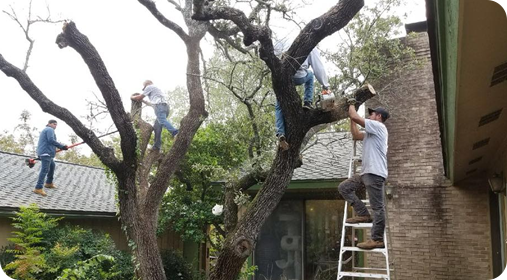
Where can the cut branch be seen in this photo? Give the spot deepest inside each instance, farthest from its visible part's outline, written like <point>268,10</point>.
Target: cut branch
<point>79,42</point>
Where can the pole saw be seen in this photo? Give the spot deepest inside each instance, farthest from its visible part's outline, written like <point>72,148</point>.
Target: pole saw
<point>30,162</point>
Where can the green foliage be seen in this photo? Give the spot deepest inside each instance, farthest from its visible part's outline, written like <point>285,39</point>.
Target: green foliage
<point>368,51</point>
<point>216,149</point>
<point>5,256</point>
<point>30,225</point>
<point>9,144</point>
<point>96,268</point>
<point>175,266</point>
<point>72,244</point>
<point>43,251</point>
<point>247,272</point>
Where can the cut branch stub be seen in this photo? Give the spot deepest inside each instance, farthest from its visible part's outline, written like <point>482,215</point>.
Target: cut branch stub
<point>243,247</point>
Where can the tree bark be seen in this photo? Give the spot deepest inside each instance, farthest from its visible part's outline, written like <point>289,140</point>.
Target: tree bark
<point>240,243</point>
<point>139,201</point>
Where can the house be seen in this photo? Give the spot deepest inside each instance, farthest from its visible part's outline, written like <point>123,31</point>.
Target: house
<point>468,47</point>
<point>302,235</point>
<point>447,162</point>
<point>84,197</point>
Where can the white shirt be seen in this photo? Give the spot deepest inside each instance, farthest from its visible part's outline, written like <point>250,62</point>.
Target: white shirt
<point>375,148</point>
<point>155,94</point>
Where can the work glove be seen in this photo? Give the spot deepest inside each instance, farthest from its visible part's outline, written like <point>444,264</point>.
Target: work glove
<point>65,148</point>
<point>352,101</point>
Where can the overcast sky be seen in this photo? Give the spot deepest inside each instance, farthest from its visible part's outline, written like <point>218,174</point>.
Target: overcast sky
<point>133,45</point>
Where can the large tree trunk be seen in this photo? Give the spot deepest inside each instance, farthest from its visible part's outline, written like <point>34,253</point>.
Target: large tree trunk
<point>139,201</point>
<point>241,242</point>
<point>140,230</point>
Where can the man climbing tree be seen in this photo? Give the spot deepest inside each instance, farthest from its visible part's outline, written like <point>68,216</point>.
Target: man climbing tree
<point>139,199</point>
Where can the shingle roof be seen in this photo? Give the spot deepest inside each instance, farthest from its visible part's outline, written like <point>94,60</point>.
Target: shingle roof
<point>327,157</point>
<point>80,188</point>
<point>86,189</point>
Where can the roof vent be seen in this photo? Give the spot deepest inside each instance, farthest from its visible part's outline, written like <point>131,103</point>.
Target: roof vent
<point>481,143</point>
<point>499,75</point>
<point>471,171</point>
<point>474,160</point>
<point>490,117</point>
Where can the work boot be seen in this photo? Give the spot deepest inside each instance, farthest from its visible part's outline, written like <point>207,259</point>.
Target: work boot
<point>308,105</point>
<point>50,186</point>
<point>40,192</point>
<point>282,142</point>
<point>359,219</point>
<point>371,244</point>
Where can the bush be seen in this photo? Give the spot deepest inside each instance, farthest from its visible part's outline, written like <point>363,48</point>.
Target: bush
<point>87,244</point>
<point>43,251</point>
<point>175,266</point>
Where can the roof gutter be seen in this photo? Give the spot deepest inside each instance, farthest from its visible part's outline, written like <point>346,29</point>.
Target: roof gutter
<point>11,211</point>
<point>443,29</point>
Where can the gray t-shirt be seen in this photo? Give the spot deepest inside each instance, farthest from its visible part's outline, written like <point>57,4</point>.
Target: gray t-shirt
<point>375,149</point>
<point>155,94</point>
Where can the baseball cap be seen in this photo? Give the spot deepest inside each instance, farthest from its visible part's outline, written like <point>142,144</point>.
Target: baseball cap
<point>379,110</point>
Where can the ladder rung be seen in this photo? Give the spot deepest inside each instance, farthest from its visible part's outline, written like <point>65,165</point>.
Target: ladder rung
<point>357,249</point>
<point>363,274</point>
<point>360,225</point>
<point>369,268</point>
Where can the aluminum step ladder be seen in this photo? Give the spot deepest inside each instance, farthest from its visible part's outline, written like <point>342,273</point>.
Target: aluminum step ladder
<point>355,161</point>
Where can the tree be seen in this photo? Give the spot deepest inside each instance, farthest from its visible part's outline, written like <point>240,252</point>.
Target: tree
<point>139,195</point>
<point>139,199</point>
<point>241,240</point>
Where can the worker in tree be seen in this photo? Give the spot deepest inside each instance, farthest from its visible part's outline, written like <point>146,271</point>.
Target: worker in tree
<point>46,150</point>
<point>161,111</point>
<point>303,76</point>
<point>373,173</point>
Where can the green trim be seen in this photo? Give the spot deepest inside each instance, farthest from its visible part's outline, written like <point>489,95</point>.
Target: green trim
<point>447,31</point>
<point>306,185</point>
<point>11,211</point>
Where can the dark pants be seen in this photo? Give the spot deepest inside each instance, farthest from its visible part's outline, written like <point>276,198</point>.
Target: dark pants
<point>375,187</point>
<point>47,169</point>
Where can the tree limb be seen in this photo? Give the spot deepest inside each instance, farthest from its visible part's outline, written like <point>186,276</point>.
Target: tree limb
<point>152,7</point>
<point>72,37</point>
<point>106,154</point>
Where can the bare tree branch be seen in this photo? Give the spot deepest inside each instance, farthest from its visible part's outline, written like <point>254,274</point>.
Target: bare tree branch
<point>152,7</point>
<point>106,154</point>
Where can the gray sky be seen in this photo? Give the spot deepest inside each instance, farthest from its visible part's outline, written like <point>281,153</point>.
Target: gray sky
<point>133,45</point>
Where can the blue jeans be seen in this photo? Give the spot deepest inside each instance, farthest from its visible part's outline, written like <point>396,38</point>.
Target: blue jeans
<point>162,112</point>
<point>47,169</point>
<point>308,97</point>
<point>375,186</point>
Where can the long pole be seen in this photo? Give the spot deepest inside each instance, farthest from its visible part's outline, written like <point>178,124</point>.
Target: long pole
<point>31,161</point>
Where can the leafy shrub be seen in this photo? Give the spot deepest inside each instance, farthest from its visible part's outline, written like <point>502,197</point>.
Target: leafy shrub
<point>43,251</point>
<point>175,266</point>
<point>30,225</point>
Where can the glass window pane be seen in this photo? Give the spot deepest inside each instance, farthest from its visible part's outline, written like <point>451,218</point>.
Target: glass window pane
<point>278,253</point>
<point>323,226</point>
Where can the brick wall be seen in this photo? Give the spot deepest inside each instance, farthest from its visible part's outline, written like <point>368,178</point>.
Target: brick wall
<point>438,231</point>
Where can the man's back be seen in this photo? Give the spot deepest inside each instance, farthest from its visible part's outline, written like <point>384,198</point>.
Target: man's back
<point>375,149</point>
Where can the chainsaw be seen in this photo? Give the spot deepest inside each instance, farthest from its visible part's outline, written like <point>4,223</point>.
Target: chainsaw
<point>325,100</point>
<point>30,162</point>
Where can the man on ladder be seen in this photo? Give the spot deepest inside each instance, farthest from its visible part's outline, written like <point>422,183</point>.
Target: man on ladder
<point>373,173</point>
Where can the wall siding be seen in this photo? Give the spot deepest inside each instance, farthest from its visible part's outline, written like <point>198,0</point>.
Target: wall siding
<point>169,240</point>
<point>438,231</point>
